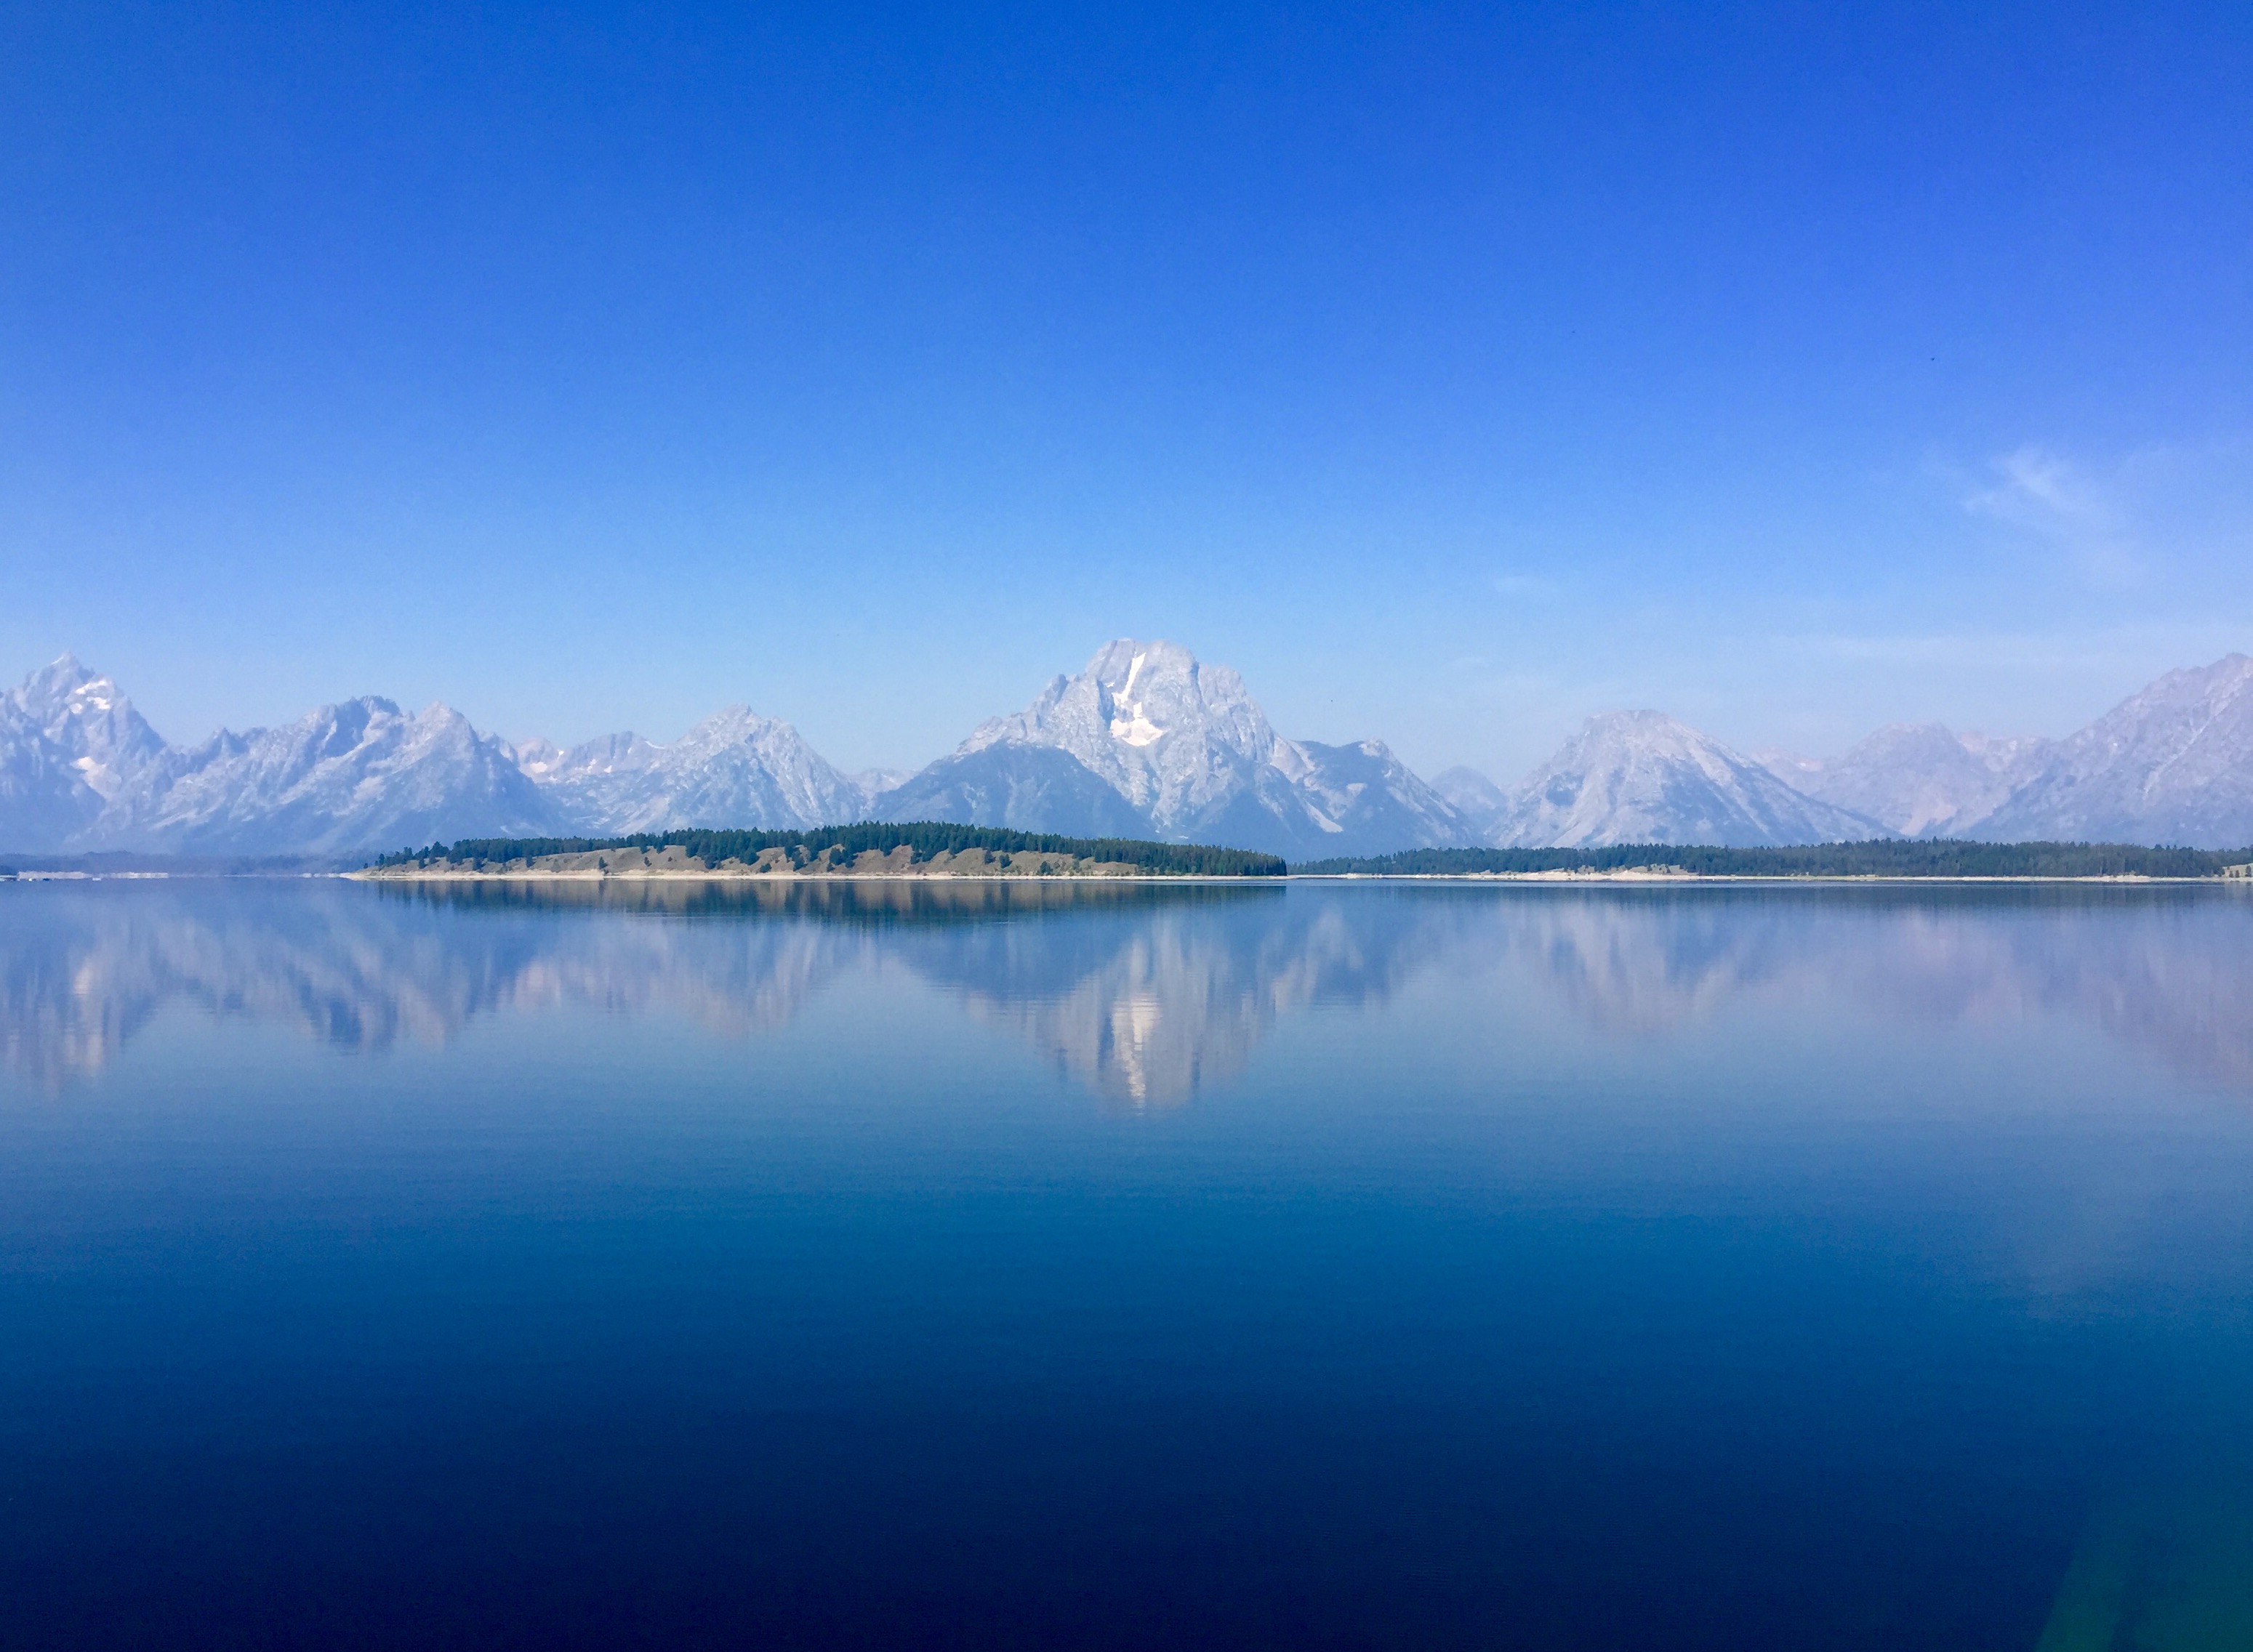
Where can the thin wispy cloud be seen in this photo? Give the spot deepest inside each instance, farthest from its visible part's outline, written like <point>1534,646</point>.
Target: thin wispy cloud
<point>2164,518</point>
<point>2037,488</point>
<point>2045,495</point>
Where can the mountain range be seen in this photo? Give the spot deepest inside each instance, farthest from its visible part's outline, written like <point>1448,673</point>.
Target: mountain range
<point>1146,741</point>
<point>2171,764</point>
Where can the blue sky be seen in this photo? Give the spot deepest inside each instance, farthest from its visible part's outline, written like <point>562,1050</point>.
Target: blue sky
<point>1452,372</point>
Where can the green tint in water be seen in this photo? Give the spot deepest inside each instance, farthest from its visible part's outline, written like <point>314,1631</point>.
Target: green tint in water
<point>2161,1572</point>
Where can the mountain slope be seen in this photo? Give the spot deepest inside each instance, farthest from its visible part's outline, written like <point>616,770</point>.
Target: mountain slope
<point>734,768</point>
<point>1918,779</point>
<point>1362,795</point>
<point>1640,776</point>
<point>43,799</point>
<point>1026,788</point>
<point>1478,799</point>
<point>2172,764</point>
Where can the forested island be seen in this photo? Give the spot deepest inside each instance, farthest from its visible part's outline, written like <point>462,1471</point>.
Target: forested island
<point>917,849</point>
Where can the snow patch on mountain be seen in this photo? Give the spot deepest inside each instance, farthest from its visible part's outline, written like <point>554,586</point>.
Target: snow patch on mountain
<point>536,757</point>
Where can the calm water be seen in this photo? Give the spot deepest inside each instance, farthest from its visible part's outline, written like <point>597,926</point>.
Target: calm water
<point>1336,1266</point>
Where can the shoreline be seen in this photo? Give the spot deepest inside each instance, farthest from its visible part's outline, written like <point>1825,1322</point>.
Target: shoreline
<point>1639,878</point>
<point>1107,872</point>
<point>1748,877</point>
<point>795,878</point>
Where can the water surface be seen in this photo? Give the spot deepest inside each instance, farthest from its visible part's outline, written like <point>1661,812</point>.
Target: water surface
<point>1126,1266</point>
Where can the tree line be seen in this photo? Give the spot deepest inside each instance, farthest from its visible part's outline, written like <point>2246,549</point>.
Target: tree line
<point>1881,857</point>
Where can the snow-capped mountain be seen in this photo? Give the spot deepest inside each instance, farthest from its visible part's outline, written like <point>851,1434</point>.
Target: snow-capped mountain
<point>1921,780</point>
<point>109,745</point>
<point>1173,738</point>
<point>734,768</point>
<point>1640,776</point>
<point>356,776</point>
<point>1191,756</point>
<point>2171,764</point>
<point>69,742</point>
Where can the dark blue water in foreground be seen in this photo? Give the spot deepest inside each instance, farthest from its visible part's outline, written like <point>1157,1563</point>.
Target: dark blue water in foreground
<point>1342,1266</point>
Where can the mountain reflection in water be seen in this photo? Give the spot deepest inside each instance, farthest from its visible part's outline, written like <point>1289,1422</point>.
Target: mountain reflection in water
<point>1129,1265</point>
<point>1146,993</point>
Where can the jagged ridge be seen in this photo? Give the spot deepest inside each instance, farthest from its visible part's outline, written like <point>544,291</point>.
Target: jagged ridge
<point>1146,743</point>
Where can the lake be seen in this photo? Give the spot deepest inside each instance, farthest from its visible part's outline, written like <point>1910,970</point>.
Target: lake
<point>889,1264</point>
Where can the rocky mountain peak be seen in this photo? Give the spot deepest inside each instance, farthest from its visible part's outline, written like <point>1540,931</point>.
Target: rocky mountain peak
<point>47,689</point>
<point>1149,740</point>
<point>736,768</point>
<point>92,728</point>
<point>1170,734</point>
<point>1157,689</point>
<point>1642,776</point>
<point>732,726</point>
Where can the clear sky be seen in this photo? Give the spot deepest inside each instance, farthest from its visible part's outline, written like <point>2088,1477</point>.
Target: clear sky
<point>1452,372</point>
